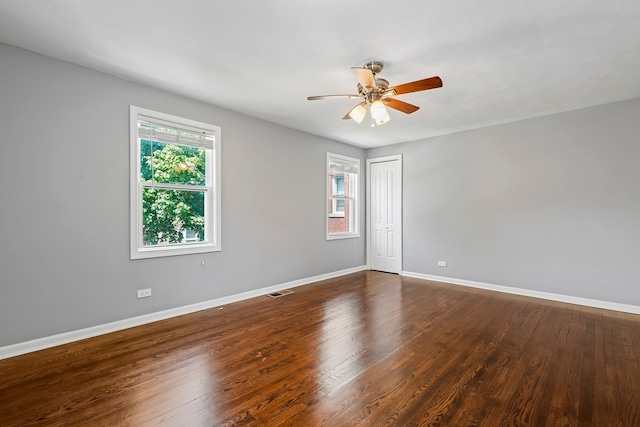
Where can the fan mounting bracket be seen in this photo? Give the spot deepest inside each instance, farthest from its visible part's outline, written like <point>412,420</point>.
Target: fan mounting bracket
<point>374,66</point>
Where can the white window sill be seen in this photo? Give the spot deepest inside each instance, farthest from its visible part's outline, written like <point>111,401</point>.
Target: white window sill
<point>161,251</point>
<point>337,236</point>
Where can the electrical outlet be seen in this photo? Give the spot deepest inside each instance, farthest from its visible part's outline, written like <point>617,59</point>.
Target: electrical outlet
<point>143,293</point>
<point>442,263</point>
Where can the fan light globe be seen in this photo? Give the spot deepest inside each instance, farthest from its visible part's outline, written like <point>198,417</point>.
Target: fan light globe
<point>378,111</point>
<point>358,113</point>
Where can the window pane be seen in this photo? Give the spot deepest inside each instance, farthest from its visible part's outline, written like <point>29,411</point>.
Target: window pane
<point>341,219</point>
<point>340,184</point>
<point>172,216</point>
<point>172,163</point>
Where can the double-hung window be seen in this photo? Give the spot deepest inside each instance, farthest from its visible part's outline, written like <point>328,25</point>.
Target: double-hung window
<point>342,200</point>
<point>175,185</point>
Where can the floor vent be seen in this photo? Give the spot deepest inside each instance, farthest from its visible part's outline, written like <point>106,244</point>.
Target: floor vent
<point>279,294</point>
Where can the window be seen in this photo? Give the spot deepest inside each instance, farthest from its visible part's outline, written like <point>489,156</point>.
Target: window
<point>342,200</point>
<point>175,185</point>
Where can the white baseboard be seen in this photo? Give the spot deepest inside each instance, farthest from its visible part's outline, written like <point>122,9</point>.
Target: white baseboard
<point>67,337</point>
<point>607,305</point>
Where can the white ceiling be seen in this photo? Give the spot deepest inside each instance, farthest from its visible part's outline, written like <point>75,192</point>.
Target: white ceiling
<point>499,60</point>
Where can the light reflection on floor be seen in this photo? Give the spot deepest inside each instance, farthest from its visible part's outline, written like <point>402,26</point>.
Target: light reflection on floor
<point>176,388</point>
<point>343,353</point>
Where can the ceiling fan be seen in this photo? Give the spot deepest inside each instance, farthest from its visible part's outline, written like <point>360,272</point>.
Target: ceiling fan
<point>377,95</point>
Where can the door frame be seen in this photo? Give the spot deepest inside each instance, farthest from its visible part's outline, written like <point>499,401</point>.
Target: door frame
<point>368,204</point>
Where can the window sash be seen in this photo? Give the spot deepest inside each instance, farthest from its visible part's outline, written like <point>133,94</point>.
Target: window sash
<point>206,238</point>
<point>152,146</point>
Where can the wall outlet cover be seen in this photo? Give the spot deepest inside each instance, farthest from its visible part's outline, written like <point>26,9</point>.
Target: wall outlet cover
<point>143,293</point>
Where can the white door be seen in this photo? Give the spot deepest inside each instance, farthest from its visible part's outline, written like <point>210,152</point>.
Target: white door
<point>385,214</point>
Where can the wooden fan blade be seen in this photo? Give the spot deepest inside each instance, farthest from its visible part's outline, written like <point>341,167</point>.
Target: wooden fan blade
<point>315,98</point>
<point>424,84</point>
<point>365,76</point>
<point>396,104</point>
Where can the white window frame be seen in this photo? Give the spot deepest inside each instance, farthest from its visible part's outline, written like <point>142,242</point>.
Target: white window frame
<point>353,198</point>
<point>211,188</point>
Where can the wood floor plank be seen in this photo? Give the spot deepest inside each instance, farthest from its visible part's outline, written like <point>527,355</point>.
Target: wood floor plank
<point>435,393</point>
<point>588,374</point>
<point>563,400</point>
<point>626,365</point>
<point>367,348</point>
<point>477,402</point>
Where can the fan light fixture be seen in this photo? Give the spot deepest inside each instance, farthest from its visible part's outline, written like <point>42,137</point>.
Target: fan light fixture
<point>378,111</point>
<point>358,113</point>
<point>379,114</point>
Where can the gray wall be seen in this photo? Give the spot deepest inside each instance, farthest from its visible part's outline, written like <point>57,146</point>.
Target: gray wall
<point>550,204</point>
<point>64,186</point>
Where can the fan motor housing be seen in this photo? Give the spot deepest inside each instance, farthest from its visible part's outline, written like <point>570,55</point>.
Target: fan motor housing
<point>382,83</point>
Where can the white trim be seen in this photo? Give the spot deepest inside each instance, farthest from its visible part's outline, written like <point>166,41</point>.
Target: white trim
<point>67,337</point>
<point>607,305</point>
<point>368,203</point>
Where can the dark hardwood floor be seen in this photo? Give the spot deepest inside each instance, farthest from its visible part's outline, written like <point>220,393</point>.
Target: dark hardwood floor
<point>364,349</point>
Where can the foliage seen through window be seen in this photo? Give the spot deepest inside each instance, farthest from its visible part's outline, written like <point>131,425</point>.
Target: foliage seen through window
<point>169,215</point>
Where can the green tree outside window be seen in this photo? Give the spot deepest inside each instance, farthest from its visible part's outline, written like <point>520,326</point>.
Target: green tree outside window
<point>168,214</point>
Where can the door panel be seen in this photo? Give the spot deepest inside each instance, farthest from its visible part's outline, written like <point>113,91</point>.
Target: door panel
<point>379,244</point>
<point>390,240</point>
<point>385,206</point>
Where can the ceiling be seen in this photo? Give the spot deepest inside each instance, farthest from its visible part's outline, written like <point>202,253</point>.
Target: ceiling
<point>500,61</point>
